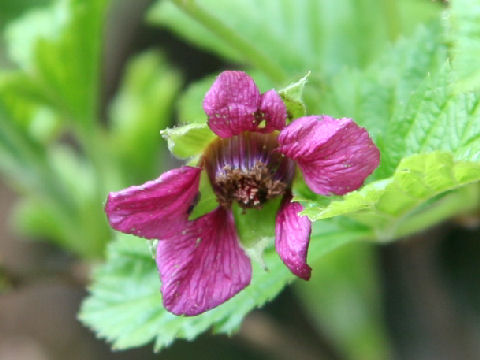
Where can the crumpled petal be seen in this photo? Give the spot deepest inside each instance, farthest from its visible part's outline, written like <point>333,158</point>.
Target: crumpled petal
<point>335,155</point>
<point>273,111</point>
<point>292,236</point>
<point>157,208</point>
<point>202,266</point>
<point>231,104</point>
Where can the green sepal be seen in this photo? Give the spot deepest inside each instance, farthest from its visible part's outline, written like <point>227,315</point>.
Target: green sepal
<point>207,200</point>
<point>188,140</point>
<point>292,97</point>
<point>253,225</point>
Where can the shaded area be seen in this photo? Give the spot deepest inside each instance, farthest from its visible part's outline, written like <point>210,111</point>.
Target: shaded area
<point>431,294</point>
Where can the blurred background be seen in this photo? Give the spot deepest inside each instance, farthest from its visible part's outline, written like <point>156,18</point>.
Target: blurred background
<point>80,114</point>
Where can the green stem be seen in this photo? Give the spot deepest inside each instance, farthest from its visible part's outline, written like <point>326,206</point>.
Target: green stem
<point>392,18</point>
<point>250,52</point>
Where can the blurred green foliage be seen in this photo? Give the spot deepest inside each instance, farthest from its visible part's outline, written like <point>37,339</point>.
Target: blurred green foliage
<point>55,148</point>
<point>406,70</point>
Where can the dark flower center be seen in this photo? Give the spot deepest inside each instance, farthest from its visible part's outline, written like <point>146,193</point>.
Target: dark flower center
<point>247,169</point>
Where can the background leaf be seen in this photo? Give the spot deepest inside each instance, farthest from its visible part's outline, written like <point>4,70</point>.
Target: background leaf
<point>140,110</point>
<point>435,118</point>
<point>294,37</point>
<point>344,301</point>
<point>62,54</point>
<point>374,96</point>
<point>464,36</point>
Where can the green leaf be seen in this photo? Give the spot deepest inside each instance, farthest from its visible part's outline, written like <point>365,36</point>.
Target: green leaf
<point>124,305</point>
<point>139,111</point>
<point>11,9</point>
<point>287,38</point>
<point>22,158</point>
<point>464,36</point>
<point>38,23</point>
<point>434,119</point>
<point>419,194</point>
<point>372,97</point>
<point>60,48</point>
<point>292,97</point>
<point>188,140</point>
<point>35,120</point>
<point>83,229</point>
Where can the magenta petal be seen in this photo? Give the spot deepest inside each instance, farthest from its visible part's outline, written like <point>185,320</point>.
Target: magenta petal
<point>202,266</point>
<point>335,155</point>
<point>157,208</point>
<point>231,104</point>
<point>292,235</point>
<point>273,110</point>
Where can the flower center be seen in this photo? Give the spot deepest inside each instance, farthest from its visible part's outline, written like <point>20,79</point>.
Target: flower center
<point>247,169</point>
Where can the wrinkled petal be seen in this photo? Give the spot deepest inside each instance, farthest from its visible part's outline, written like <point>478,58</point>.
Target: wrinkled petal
<point>202,266</point>
<point>292,236</point>
<point>273,111</point>
<point>231,104</point>
<point>157,208</point>
<point>335,155</point>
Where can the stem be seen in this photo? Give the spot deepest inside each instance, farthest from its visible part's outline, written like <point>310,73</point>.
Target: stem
<point>250,52</point>
<point>392,19</point>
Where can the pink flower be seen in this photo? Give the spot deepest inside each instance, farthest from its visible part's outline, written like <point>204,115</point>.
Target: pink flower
<point>201,262</point>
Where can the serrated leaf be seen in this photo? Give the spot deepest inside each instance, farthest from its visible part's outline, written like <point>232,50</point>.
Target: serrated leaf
<point>391,206</point>
<point>188,140</point>
<point>434,119</point>
<point>374,96</point>
<point>289,37</point>
<point>292,96</point>
<point>125,308</point>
